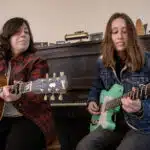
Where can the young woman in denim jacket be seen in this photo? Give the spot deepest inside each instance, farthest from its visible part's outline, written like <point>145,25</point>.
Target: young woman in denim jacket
<point>121,62</point>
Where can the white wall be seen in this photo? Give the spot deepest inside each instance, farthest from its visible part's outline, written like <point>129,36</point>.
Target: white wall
<point>50,20</point>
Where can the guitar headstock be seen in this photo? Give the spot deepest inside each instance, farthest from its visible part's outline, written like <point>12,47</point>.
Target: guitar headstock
<point>50,85</point>
<point>147,90</point>
<point>143,91</point>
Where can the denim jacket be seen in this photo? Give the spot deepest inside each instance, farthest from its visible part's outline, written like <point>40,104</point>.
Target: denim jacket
<point>106,77</point>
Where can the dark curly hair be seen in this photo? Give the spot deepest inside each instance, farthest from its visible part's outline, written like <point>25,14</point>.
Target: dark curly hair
<point>10,28</point>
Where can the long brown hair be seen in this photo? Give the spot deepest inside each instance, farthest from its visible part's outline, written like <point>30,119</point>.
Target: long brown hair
<point>10,28</point>
<point>135,57</point>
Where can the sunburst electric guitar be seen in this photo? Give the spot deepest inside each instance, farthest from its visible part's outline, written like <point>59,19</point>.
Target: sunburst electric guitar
<point>110,102</point>
<point>54,85</point>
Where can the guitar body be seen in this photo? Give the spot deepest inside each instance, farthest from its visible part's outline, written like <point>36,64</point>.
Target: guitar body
<point>3,82</point>
<point>105,118</point>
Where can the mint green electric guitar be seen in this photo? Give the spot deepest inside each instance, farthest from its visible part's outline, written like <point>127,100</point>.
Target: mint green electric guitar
<point>110,102</point>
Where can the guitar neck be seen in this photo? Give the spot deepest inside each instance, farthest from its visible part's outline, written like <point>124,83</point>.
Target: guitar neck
<point>113,103</point>
<point>19,88</point>
<point>140,93</point>
<point>40,86</point>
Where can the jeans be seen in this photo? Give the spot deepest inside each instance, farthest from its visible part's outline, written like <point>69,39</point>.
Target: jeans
<point>121,139</point>
<point>19,133</point>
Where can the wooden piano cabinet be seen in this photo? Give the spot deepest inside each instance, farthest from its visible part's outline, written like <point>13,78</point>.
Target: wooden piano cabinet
<point>78,62</point>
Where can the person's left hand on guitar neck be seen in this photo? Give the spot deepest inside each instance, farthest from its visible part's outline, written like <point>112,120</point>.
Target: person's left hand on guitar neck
<point>7,95</point>
<point>131,105</point>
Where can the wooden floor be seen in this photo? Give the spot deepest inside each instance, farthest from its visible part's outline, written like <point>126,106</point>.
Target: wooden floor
<point>54,146</point>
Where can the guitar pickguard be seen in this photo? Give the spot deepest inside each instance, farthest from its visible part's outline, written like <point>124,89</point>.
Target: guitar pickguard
<point>105,119</point>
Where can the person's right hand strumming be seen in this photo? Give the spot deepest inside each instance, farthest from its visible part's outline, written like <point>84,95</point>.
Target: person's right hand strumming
<point>93,108</point>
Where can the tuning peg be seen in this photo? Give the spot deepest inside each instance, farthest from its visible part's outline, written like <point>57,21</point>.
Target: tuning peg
<point>47,76</point>
<point>45,97</point>
<point>54,75</point>
<point>52,98</point>
<point>61,74</point>
<point>60,97</point>
<point>57,78</point>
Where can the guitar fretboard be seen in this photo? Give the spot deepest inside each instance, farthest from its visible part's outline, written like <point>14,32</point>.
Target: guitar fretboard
<point>19,88</point>
<point>141,92</point>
